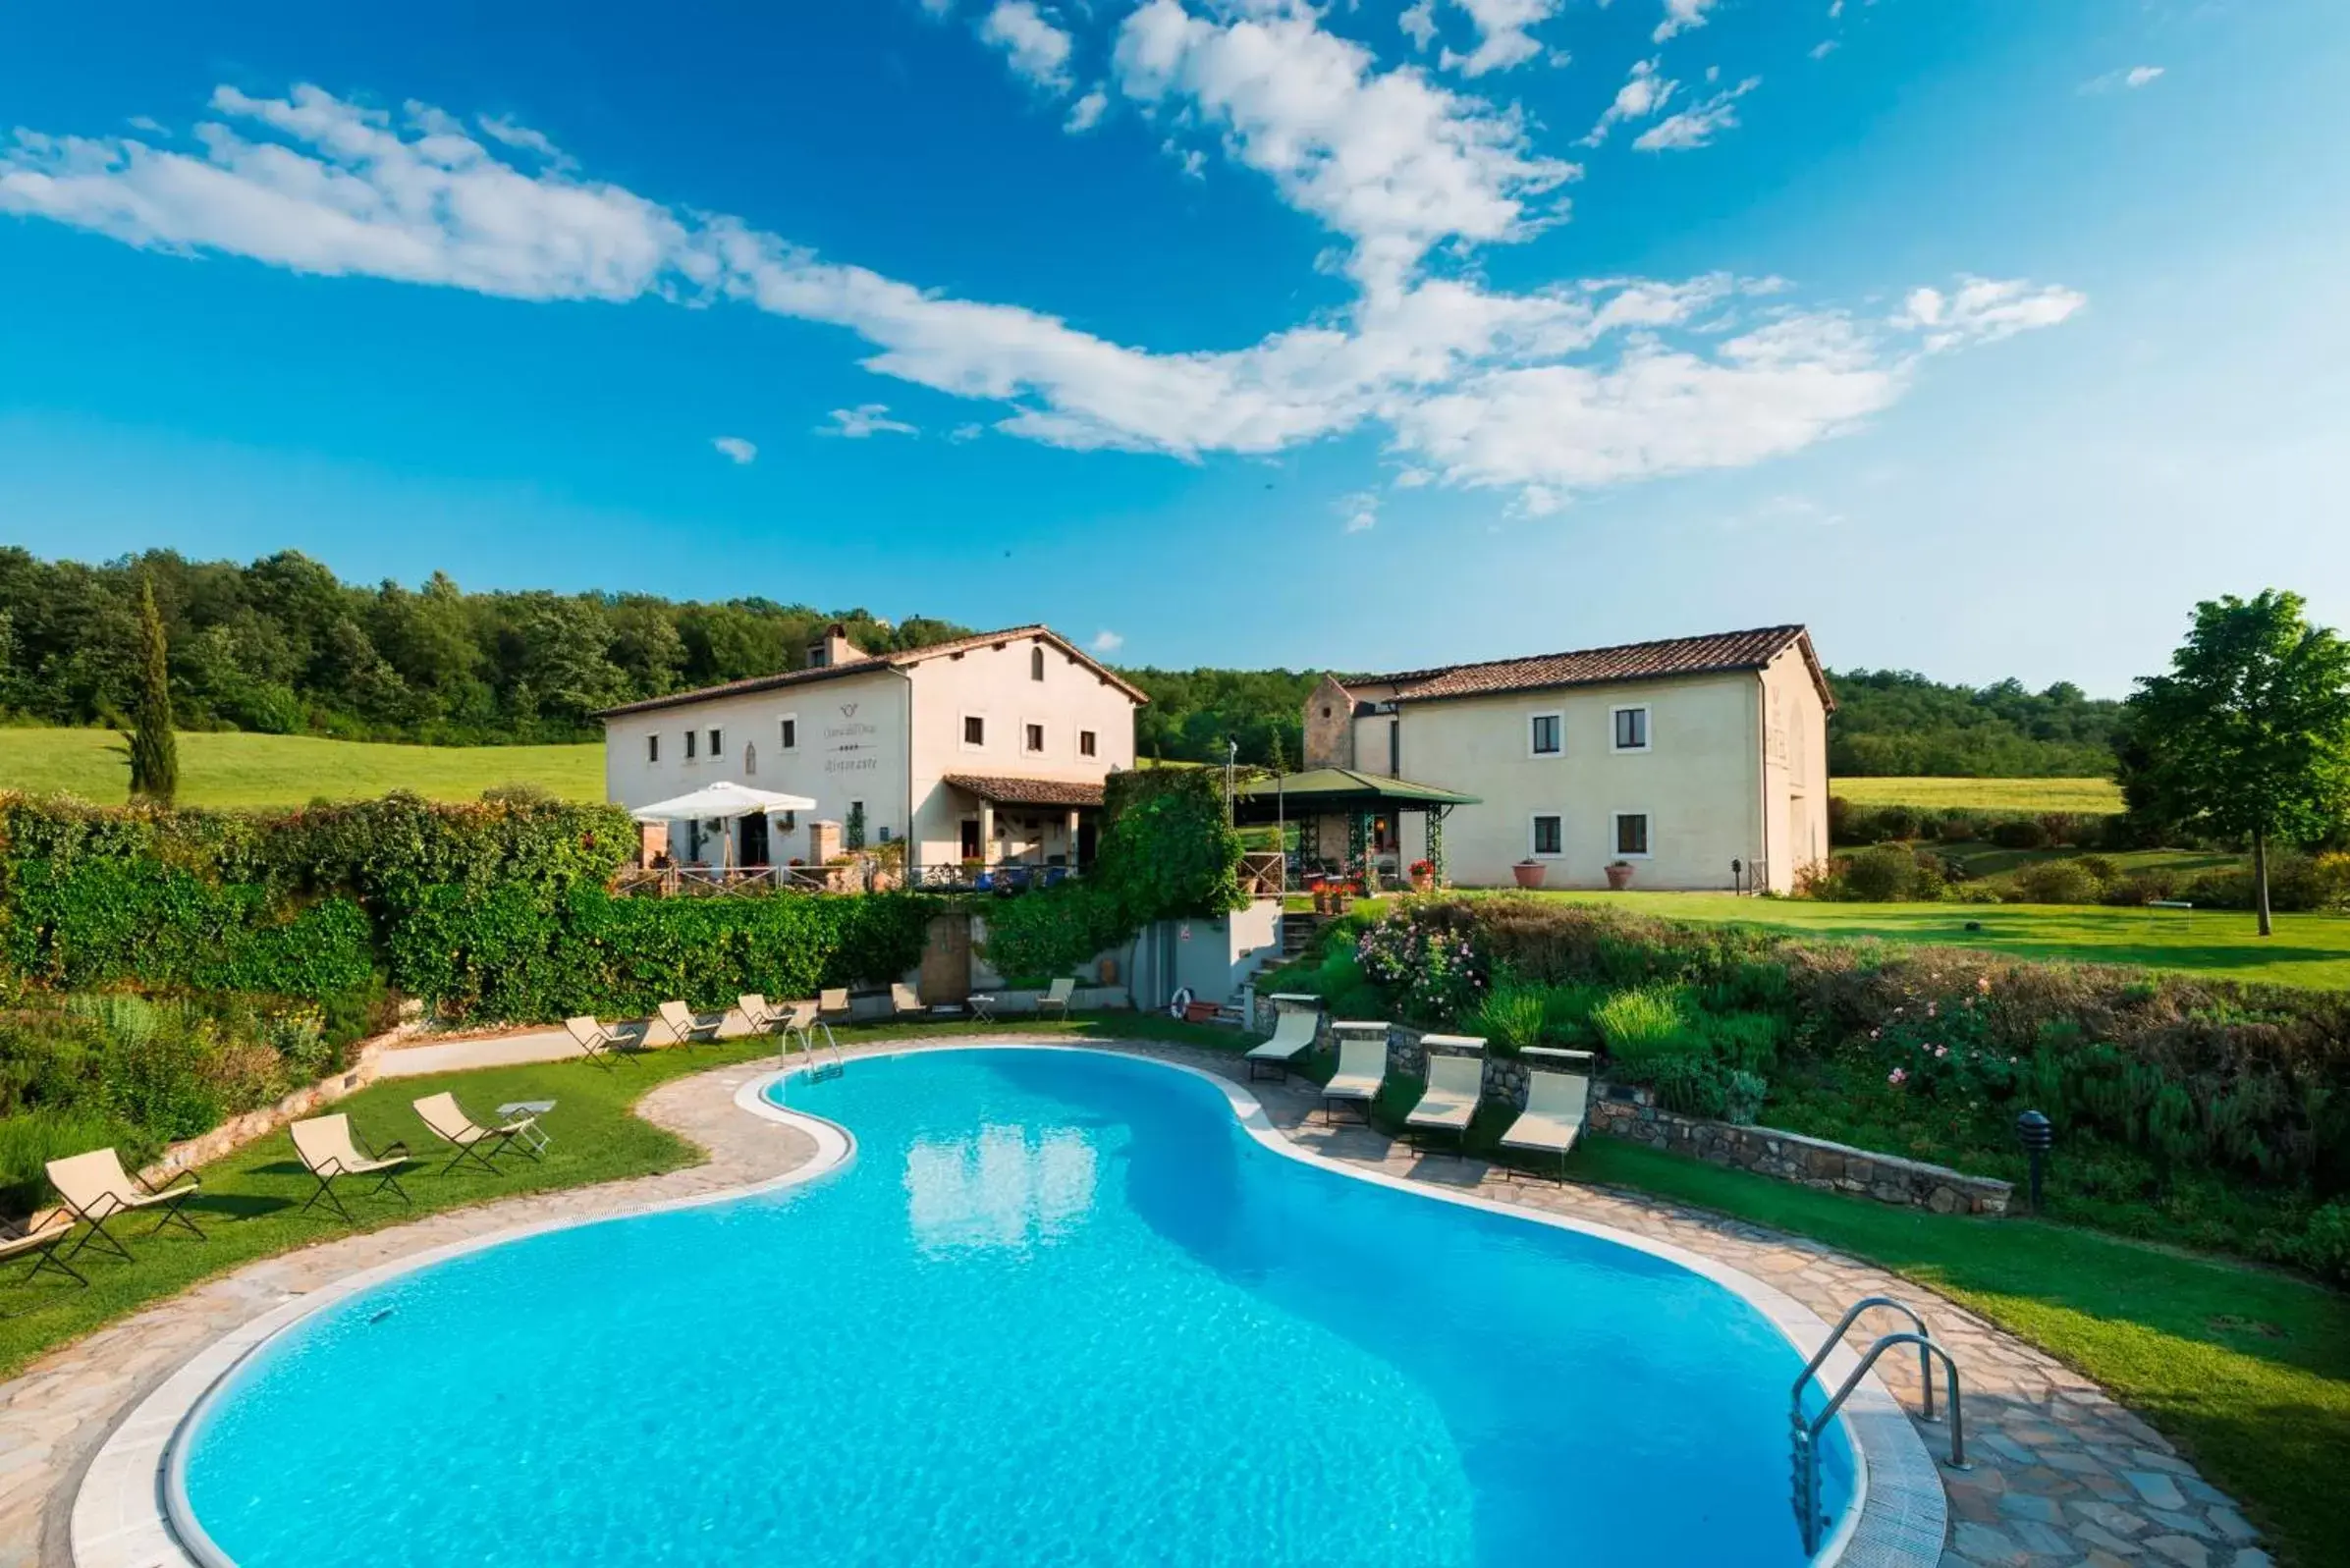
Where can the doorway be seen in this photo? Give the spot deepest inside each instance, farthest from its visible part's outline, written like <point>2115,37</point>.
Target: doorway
<point>754,841</point>
<point>1088,836</point>
<point>970,839</point>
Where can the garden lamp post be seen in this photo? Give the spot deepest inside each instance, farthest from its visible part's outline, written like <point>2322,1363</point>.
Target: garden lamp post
<point>2036,1133</point>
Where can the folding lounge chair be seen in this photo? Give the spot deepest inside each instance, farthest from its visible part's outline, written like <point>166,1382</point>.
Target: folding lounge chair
<point>1362,1066</point>
<point>95,1189</point>
<point>1557,1103</point>
<point>834,1003</point>
<point>40,1245</point>
<point>599,1045</point>
<point>905,1001</point>
<point>1058,997</point>
<point>472,1141</point>
<point>683,1026</point>
<point>330,1151</point>
<point>763,1019</point>
<point>1294,1026</point>
<point>1455,1083</point>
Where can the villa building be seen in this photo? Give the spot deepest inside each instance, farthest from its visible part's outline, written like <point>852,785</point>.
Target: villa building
<point>991,748</point>
<point>1674,758</point>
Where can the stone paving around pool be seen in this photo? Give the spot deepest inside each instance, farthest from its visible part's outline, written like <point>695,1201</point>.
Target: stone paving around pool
<point>2061,1475</point>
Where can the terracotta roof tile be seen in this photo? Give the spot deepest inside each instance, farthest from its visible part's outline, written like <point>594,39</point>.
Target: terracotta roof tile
<point>1004,791</point>
<point>1586,667</point>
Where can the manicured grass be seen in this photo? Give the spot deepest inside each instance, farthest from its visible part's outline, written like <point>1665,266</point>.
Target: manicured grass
<point>246,770</point>
<point>2096,795</point>
<point>2311,951</point>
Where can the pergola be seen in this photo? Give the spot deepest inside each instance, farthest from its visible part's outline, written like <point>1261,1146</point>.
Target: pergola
<point>1320,792</point>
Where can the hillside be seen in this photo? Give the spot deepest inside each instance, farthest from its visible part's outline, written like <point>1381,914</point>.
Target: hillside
<point>249,770</point>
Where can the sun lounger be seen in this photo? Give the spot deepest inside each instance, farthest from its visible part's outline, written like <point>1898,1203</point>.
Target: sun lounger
<point>330,1151</point>
<point>834,1003</point>
<point>1362,1066</point>
<point>683,1027</point>
<point>96,1189</point>
<point>40,1245</point>
<point>1058,997</point>
<point>905,1002</point>
<point>600,1045</point>
<point>1557,1104</point>
<point>470,1139</point>
<point>762,1018</point>
<point>1455,1083</point>
<point>1295,1022</point>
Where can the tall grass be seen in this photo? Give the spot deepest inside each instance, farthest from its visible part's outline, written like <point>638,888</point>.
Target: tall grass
<point>30,1140</point>
<point>1643,1024</point>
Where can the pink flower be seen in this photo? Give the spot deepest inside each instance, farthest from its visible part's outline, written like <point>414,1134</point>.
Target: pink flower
<point>1874,1033</point>
<point>1942,1050</point>
<point>1897,1077</point>
<point>1983,984</point>
<point>1933,1011</point>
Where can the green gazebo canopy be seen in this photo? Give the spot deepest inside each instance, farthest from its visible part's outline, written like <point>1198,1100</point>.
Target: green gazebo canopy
<point>1320,791</point>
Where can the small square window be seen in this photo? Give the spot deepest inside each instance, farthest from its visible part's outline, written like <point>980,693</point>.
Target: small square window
<point>717,742</point>
<point>1631,729</point>
<point>689,745</point>
<point>1086,744</point>
<point>1032,737</point>
<point>974,729</point>
<point>652,748</point>
<point>1548,836</point>
<point>790,735</point>
<point>1543,734</point>
<point>1631,832</point>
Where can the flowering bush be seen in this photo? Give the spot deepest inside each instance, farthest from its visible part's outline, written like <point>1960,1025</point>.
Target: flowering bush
<point>1433,965</point>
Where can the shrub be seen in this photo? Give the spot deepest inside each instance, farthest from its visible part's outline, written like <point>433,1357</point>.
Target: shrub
<point>1424,954</point>
<point>1885,873</point>
<point>1689,1082</point>
<point>28,1142</point>
<point>1567,1014</point>
<point>1895,822</point>
<point>1643,1024</point>
<point>2324,1246</point>
<point>2059,882</point>
<point>1511,1018</point>
<point>2020,832</point>
<point>1744,1040</point>
<point>1742,1097</point>
<point>2142,886</point>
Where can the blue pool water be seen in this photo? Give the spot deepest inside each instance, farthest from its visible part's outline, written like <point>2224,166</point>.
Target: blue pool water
<point>1060,1309</point>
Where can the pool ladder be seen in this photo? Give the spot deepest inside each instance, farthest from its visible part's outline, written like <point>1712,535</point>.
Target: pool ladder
<point>1806,1430</point>
<point>831,1064</point>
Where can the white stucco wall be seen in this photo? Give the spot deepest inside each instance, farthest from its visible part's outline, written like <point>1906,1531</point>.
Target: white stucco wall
<point>1795,773</point>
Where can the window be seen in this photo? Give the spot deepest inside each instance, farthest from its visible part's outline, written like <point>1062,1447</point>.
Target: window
<point>974,729</point>
<point>1632,727</point>
<point>1542,736</point>
<point>1032,737</point>
<point>652,748</point>
<point>1549,835</point>
<point>1036,664</point>
<point>1086,745</point>
<point>717,742</point>
<point>1631,832</point>
<point>1394,748</point>
<point>789,737</point>
<point>688,745</point>
<point>750,762</point>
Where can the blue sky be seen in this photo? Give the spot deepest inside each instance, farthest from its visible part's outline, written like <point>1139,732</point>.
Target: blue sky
<point>1984,336</point>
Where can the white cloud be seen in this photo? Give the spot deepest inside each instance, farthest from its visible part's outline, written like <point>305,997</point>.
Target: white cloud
<point>1547,391</point>
<point>970,431</point>
<point>1698,125</point>
<point>1503,34</point>
<point>1983,311</point>
<point>2134,76</point>
<point>863,420</point>
<point>1389,159</point>
<point>1680,15</point>
<point>735,449</point>
<point>1824,48</point>
<point>937,8</point>
<point>1086,112</point>
<point>1418,22</point>
<point>1107,641</point>
<point>1037,49</point>
<point>521,137</point>
<point>1642,94</point>
<point>1360,511</point>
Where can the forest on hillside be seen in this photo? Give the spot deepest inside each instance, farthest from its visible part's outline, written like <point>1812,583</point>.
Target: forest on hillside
<point>282,646</point>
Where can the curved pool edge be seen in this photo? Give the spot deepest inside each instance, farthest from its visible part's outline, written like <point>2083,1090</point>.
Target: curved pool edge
<point>130,1508</point>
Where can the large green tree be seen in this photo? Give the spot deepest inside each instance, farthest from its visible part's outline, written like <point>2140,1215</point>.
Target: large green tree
<point>2249,734</point>
<point>154,749</point>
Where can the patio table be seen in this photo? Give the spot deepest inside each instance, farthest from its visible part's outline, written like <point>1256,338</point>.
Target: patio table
<point>535,1135</point>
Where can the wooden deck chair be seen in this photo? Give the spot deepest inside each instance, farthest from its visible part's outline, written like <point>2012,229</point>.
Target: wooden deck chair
<point>904,1001</point>
<point>470,1139</point>
<point>40,1243</point>
<point>1557,1105</point>
<point>683,1026</point>
<point>599,1045</point>
<point>1362,1066</point>
<point>1293,1030</point>
<point>96,1189</point>
<point>330,1151</point>
<point>1058,997</point>
<point>1455,1083</point>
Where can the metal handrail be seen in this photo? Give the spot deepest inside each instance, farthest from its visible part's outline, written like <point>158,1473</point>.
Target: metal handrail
<point>1809,1517</point>
<point>1844,1326</point>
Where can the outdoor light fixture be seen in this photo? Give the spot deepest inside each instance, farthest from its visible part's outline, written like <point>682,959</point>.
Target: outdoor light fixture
<point>2036,1133</point>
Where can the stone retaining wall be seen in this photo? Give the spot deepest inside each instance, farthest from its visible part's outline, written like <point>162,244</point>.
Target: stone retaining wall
<point>238,1131</point>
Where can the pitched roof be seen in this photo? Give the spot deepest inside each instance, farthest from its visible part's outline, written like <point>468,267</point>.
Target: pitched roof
<point>1319,786</point>
<point>1000,790</point>
<point>1717,653</point>
<point>882,661</point>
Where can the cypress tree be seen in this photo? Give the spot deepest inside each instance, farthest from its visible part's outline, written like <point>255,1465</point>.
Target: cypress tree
<point>154,749</point>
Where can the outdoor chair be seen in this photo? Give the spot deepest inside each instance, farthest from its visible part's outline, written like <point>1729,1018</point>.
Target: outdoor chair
<point>833,1003</point>
<point>1363,1067</point>
<point>801,1024</point>
<point>1557,1104</point>
<point>762,1018</point>
<point>1057,997</point>
<point>471,1140</point>
<point>599,1045</point>
<point>1293,1030</point>
<point>683,1026</point>
<point>96,1189</point>
<point>40,1243</point>
<point>330,1151</point>
<point>1455,1083</point>
<point>905,1002</point>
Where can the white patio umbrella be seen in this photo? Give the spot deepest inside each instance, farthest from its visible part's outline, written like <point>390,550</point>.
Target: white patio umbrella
<point>722,802</point>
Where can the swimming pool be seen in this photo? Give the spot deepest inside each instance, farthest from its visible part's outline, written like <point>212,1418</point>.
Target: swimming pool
<point>1060,1308</point>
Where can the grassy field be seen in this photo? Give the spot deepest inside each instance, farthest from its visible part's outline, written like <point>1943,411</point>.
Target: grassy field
<point>2311,951</point>
<point>246,770</point>
<point>1984,794</point>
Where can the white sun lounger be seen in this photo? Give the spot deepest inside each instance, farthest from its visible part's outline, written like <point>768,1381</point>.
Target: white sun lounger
<point>680,1020</point>
<point>599,1045</point>
<point>95,1189</point>
<point>1455,1083</point>
<point>1557,1104</point>
<point>472,1141</point>
<point>834,1003</point>
<point>1296,1020</point>
<point>329,1152</point>
<point>40,1243</point>
<point>1057,997</point>
<point>762,1018</point>
<point>1362,1065</point>
<point>905,1001</point>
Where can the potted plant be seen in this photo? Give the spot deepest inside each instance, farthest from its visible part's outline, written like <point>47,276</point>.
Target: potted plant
<point>1529,872</point>
<point>1619,875</point>
<point>1422,875</point>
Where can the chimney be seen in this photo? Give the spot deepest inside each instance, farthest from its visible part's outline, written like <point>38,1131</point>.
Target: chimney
<point>835,649</point>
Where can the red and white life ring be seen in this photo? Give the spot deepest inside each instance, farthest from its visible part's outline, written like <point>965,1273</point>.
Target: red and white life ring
<point>1181,1002</point>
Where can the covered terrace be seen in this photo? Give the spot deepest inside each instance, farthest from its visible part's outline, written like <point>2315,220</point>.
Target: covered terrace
<point>1348,822</point>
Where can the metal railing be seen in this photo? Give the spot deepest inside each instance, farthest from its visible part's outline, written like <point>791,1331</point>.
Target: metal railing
<point>1805,1429</point>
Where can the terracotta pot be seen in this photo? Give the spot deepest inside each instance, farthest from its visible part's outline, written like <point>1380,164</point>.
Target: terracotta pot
<point>1619,877</point>
<point>1422,883</point>
<point>1529,873</point>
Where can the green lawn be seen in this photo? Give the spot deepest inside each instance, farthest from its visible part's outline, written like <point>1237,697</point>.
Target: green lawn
<point>247,770</point>
<point>2311,951</point>
<point>2096,795</point>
